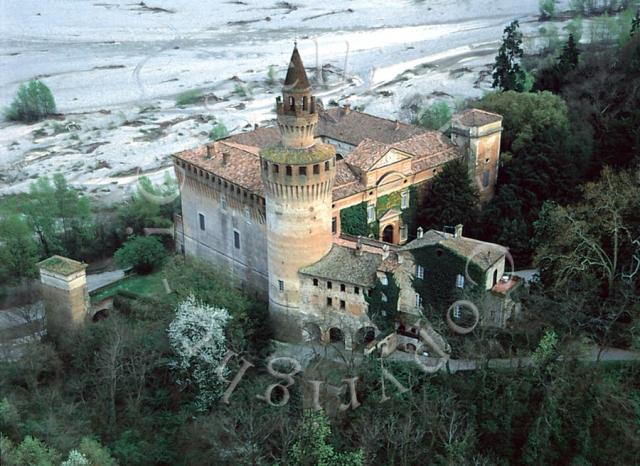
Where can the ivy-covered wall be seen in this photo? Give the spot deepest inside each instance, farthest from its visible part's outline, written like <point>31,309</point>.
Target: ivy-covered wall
<point>353,219</point>
<point>382,313</point>
<point>438,287</point>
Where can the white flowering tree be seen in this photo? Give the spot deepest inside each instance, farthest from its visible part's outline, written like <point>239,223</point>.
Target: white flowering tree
<point>197,337</point>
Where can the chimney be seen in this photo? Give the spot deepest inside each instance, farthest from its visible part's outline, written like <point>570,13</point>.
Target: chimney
<point>458,233</point>
<point>225,157</point>
<point>359,246</point>
<point>420,233</point>
<point>346,109</point>
<point>397,125</point>
<point>385,251</point>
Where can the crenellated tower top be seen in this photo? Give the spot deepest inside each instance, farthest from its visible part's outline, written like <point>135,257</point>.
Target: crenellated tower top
<point>296,109</point>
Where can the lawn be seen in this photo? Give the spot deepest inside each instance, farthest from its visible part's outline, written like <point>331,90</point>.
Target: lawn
<point>143,285</point>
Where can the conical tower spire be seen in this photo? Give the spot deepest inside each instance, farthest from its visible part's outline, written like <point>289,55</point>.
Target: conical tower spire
<point>297,117</point>
<point>296,74</point>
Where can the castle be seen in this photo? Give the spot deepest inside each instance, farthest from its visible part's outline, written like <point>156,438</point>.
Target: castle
<point>312,213</point>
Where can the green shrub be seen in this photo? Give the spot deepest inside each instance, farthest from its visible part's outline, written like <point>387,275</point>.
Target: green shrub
<point>435,116</point>
<point>189,98</point>
<point>547,8</point>
<point>33,102</point>
<point>143,253</point>
<point>219,131</point>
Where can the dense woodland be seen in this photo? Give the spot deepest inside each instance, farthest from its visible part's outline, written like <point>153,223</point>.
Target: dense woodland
<point>124,391</point>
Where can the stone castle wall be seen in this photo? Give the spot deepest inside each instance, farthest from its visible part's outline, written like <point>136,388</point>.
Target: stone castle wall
<point>227,212</point>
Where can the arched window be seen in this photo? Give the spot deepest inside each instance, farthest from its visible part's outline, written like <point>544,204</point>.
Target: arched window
<point>292,103</point>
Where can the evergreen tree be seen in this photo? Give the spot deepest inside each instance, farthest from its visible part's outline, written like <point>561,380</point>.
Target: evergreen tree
<point>635,24</point>
<point>452,199</point>
<point>507,74</point>
<point>568,60</point>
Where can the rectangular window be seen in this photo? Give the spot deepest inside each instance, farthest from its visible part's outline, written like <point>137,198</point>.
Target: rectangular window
<point>342,304</point>
<point>302,171</point>
<point>315,282</point>
<point>276,168</point>
<point>329,302</point>
<point>223,203</point>
<point>326,166</point>
<point>384,280</point>
<point>420,271</point>
<point>403,233</point>
<point>343,287</point>
<point>288,170</point>
<point>418,300</point>
<point>485,178</point>
<point>460,281</point>
<point>280,285</point>
<point>201,218</point>
<point>334,225</point>
<point>404,200</point>
<point>236,239</point>
<point>329,285</point>
<point>316,169</point>
<point>456,312</point>
<point>371,213</point>
<point>356,290</point>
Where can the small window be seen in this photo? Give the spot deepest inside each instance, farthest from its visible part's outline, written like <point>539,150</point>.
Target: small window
<point>460,281</point>
<point>485,178</point>
<point>329,285</point>
<point>236,239</point>
<point>223,203</point>
<point>404,200</point>
<point>384,280</point>
<point>315,282</point>
<point>334,225</point>
<point>304,102</point>
<point>289,170</point>
<point>326,166</point>
<point>418,300</point>
<point>302,171</point>
<point>356,290</point>
<point>201,219</point>
<point>343,287</point>
<point>403,233</point>
<point>276,168</point>
<point>456,311</point>
<point>247,213</point>
<point>342,304</point>
<point>292,103</point>
<point>329,302</point>
<point>316,169</point>
<point>280,285</point>
<point>420,271</point>
<point>371,213</point>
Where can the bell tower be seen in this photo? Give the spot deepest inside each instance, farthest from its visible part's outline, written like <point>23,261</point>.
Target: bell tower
<point>298,176</point>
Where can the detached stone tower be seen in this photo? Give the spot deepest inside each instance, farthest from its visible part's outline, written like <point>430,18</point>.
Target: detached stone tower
<point>298,179</point>
<point>64,291</point>
<point>479,132</point>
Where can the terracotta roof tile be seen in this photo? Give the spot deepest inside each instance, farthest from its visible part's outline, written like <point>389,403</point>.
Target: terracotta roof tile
<point>476,117</point>
<point>259,137</point>
<point>344,265</point>
<point>353,127</point>
<point>239,166</point>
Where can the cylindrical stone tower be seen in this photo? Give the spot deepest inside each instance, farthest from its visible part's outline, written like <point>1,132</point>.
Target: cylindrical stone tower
<point>298,180</point>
